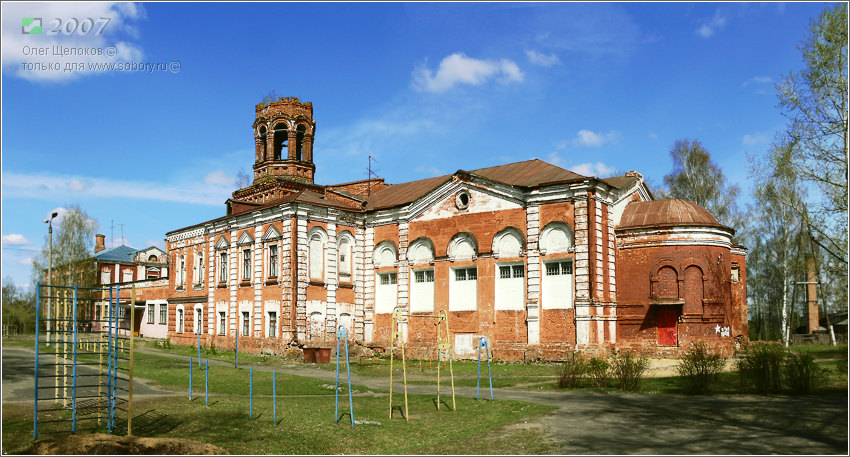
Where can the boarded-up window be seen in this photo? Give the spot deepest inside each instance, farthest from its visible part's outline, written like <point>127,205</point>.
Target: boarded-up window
<point>667,285</point>
<point>463,289</point>
<point>693,290</point>
<point>422,291</point>
<point>510,287</point>
<point>344,259</point>
<point>386,292</point>
<point>558,285</point>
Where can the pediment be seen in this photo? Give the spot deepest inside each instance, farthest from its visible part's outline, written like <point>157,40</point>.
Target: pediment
<point>246,238</point>
<point>223,243</point>
<point>271,234</point>
<point>462,198</point>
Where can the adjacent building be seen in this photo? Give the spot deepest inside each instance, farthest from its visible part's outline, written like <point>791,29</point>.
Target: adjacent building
<point>540,260</point>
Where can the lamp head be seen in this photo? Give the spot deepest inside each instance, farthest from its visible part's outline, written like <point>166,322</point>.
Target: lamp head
<point>55,213</point>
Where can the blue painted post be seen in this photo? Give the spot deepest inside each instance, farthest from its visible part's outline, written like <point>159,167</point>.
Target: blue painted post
<point>348,371</point>
<point>251,394</point>
<point>207,383</point>
<point>336,391</point>
<point>74,381</point>
<point>489,373</point>
<point>108,363</point>
<point>478,378</point>
<point>191,362</point>
<point>274,398</point>
<point>199,345</point>
<point>35,401</point>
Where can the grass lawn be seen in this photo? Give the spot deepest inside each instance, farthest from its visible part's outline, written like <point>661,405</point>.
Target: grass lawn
<point>306,425</point>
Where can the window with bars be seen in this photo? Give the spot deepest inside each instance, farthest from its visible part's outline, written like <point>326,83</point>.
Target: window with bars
<point>245,322</point>
<point>163,314</point>
<point>200,272</point>
<point>222,322</point>
<point>388,278</point>
<point>150,313</point>
<point>559,268</point>
<point>511,271</point>
<point>423,276</point>
<point>466,274</point>
<point>179,321</point>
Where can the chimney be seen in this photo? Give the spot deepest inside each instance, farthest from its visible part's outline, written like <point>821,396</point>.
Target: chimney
<point>635,174</point>
<point>100,243</point>
<point>813,321</point>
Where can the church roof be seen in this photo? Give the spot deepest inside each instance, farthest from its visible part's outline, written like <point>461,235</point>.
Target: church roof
<point>529,173</point>
<point>666,212</point>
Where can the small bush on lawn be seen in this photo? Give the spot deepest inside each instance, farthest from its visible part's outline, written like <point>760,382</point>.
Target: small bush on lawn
<point>574,368</point>
<point>761,368</point>
<point>628,369</point>
<point>599,370</point>
<point>699,368</point>
<point>802,374</point>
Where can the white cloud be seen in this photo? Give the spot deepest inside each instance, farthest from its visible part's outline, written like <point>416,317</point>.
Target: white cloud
<point>19,59</point>
<point>598,169</point>
<point>755,139</point>
<point>590,138</point>
<point>761,84</point>
<point>42,186</point>
<point>15,239</point>
<point>220,178</point>
<point>539,58</point>
<point>459,69</point>
<point>555,159</point>
<point>712,25</point>
<point>653,135</point>
<point>158,243</point>
<point>25,261</point>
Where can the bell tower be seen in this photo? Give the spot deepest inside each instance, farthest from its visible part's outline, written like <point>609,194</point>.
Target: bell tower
<point>283,134</point>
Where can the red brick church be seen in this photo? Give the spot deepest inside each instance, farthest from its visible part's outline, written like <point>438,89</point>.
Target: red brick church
<point>540,260</point>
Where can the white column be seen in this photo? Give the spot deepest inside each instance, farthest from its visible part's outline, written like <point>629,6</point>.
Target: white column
<point>331,277</point>
<point>211,285</point>
<point>234,282</point>
<point>258,279</point>
<point>582,272</point>
<point>532,220</point>
<point>359,265</point>
<point>369,281</point>
<point>302,274</point>
<point>286,278</point>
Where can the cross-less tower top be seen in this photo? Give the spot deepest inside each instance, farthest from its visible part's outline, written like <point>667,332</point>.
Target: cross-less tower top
<point>283,132</point>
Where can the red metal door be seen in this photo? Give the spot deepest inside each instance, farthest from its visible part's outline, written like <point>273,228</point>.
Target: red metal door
<point>667,327</point>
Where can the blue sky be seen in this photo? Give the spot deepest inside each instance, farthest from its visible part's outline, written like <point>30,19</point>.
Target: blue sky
<point>426,88</point>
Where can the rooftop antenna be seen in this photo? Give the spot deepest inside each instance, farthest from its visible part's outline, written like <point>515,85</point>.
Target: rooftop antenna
<point>122,233</point>
<point>112,232</point>
<point>371,173</point>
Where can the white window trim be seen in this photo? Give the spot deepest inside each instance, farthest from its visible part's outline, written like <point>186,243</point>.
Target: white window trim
<point>242,266</point>
<point>500,237</point>
<point>221,318</point>
<point>268,324</point>
<point>323,239</point>
<point>377,255</point>
<point>457,241</point>
<point>417,245</point>
<point>420,305</point>
<point>267,265</point>
<point>199,311</point>
<point>545,243</point>
<point>382,293</point>
<point>349,238</point>
<point>177,324</point>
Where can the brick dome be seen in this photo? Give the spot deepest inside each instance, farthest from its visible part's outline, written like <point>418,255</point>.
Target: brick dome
<point>666,212</point>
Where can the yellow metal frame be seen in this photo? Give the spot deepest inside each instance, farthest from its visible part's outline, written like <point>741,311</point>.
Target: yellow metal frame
<point>443,344</point>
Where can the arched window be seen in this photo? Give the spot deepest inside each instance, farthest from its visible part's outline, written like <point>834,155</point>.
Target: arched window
<point>316,240</point>
<point>199,319</point>
<point>152,258</point>
<point>345,248</point>
<point>693,290</point>
<point>385,255</point>
<point>281,141</point>
<point>299,141</point>
<point>667,284</point>
<point>179,323</point>
<point>261,134</point>
<point>421,251</point>
<point>507,243</point>
<point>462,247</point>
<point>556,238</point>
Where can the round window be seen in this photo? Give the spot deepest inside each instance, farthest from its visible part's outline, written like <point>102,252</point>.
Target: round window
<point>462,199</point>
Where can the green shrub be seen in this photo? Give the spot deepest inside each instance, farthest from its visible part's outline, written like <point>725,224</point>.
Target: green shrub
<point>802,374</point>
<point>599,370</point>
<point>699,368</point>
<point>761,368</point>
<point>628,369</point>
<point>212,348</point>
<point>574,368</point>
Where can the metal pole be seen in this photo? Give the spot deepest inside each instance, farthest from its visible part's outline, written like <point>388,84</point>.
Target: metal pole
<point>207,383</point>
<point>236,361</point>
<point>50,280</point>
<point>348,373</point>
<point>132,346</point>
<point>198,332</point>
<point>191,362</point>
<point>251,393</point>
<point>274,398</point>
<point>109,364</point>
<point>74,380</point>
<point>35,401</point>
<point>336,391</point>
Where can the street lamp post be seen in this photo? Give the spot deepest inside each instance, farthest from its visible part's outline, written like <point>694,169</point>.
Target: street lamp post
<point>49,222</point>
